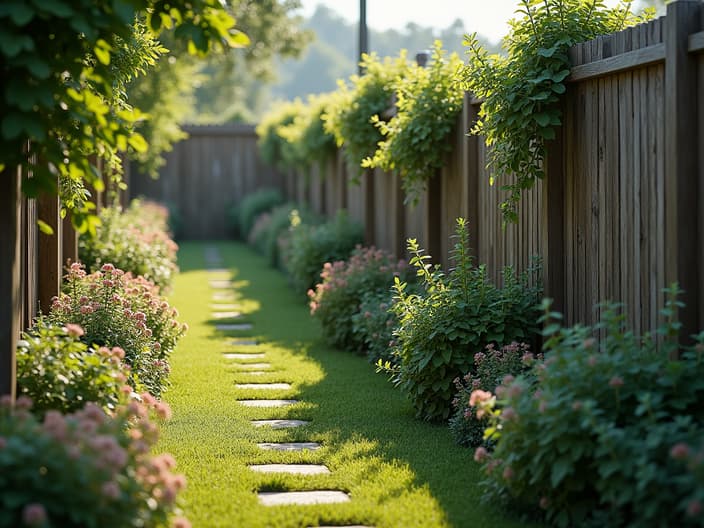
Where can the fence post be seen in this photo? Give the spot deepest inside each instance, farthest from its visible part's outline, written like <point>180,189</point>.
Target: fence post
<point>681,177</point>
<point>69,251</point>
<point>368,203</point>
<point>472,172</point>
<point>49,258</point>
<point>432,220</point>
<point>10,287</point>
<point>553,221</point>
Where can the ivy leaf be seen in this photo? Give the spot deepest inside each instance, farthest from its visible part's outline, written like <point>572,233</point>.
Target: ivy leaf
<point>44,227</point>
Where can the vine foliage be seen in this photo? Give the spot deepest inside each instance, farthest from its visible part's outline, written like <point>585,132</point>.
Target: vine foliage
<point>521,90</point>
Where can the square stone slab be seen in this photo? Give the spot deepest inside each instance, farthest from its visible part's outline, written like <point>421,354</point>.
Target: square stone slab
<point>279,424</point>
<point>226,315</point>
<point>289,446</point>
<point>293,469</point>
<point>246,366</point>
<point>216,307</point>
<point>344,526</point>
<point>267,403</point>
<point>268,386</point>
<point>244,342</point>
<point>244,356</point>
<point>221,284</point>
<point>219,270</point>
<point>223,296</point>
<point>233,326</point>
<point>255,372</point>
<point>278,498</point>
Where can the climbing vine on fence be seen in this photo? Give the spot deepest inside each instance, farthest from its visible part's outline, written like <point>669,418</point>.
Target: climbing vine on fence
<point>521,90</point>
<point>416,139</point>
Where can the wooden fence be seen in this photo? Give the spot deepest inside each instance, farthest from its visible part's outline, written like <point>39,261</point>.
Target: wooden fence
<point>207,173</point>
<point>616,218</point>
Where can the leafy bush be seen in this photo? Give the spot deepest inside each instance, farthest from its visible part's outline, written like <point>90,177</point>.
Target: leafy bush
<point>254,204</point>
<point>605,435</point>
<point>259,233</point>
<point>57,371</point>
<point>491,368</point>
<point>273,147</point>
<point>116,310</point>
<point>349,114</point>
<point>415,142</point>
<point>85,469</point>
<point>337,298</point>
<point>373,325</point>
<point>521,89</point>
<point>311,246</point>
<point>135,240</point>
<point>456,316</point>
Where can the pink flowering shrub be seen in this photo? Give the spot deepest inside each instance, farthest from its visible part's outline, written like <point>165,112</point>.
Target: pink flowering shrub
<point>135,239</point>
<point>59,372</point>
<point>491,368</point>
<point>115,309</point>
<point>337,298</point>
<point>605,434</point>
<point>88,468</point>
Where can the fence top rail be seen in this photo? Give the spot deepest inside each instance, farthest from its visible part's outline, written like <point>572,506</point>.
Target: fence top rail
<point>235,129</point>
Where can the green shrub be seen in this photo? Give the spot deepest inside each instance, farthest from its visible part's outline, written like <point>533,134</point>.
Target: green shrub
<point>490,369</point>
<point>278,227</point>
<point>349,113</point>
<point>374,324</point>
<point>85,469</point>
<point>336,300</point>
<point>135,240</point>
<point>604,437</point>
<point>57,371</point>
<point>456,316</point>
<point>254,204</point>
<point>273,147</point>
<point>116,310</point>
<point>416,139</point>
<point>311,246</point>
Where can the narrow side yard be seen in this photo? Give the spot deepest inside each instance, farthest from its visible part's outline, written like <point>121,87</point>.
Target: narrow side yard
<point>396,470</point>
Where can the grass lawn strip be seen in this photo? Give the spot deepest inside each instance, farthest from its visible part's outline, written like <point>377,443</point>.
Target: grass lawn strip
<point>397,471</point>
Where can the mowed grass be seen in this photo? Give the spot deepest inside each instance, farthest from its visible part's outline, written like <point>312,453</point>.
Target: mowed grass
<point>398,471</point>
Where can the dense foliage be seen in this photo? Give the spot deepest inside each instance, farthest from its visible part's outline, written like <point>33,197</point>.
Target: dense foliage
<point>86,468</point>
<point>135,239</point>
<point>65,64</point>
<point>374,323</point>
<point>337,298</point>
<point>416,139</point>
<point>311,246</point>
<point>59,372</point>
<point>609,433</point>
<point>273,147</point>
<point>352,108</point>
<point>251,206</point>
<point>521,89</point>
<point>456,315</point>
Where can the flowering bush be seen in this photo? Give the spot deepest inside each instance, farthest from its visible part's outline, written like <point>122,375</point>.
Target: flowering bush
<point>337,298</point>
<point>57,371</point>
<point>116,310</point>
<point>135,240</point>
<point>455,316</point>
<point>491,369</point>
<point>606,435</point>
<point>311,246</point>
<point>85,469</point>
<point>374,323</point>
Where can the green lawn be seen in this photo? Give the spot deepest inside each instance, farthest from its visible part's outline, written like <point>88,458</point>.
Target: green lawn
<point>398,471</point>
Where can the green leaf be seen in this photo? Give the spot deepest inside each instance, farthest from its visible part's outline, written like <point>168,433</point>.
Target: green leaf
<point>44,227</point>
<point>57,8</point>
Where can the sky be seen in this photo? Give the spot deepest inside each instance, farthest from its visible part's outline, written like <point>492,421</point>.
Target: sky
<point>488,17</point>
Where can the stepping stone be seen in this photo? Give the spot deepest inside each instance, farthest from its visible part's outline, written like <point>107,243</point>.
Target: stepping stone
<point>221,284</point>
<point>289,446</point>
<point>244,356</point>
<point>267,403</point>
<point>344,526</point>
<point>218,270</point>
<point>245,366</point>
<point>223,296</point>
<point>278,498</point>
<point>293,469</point>
<point>279,424</point>
<point>268,386</point>
<point>244,342</point>
<point>226,315</point>
<point>221,307</point>
<point>255,372</point>
<point>234,326</point>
